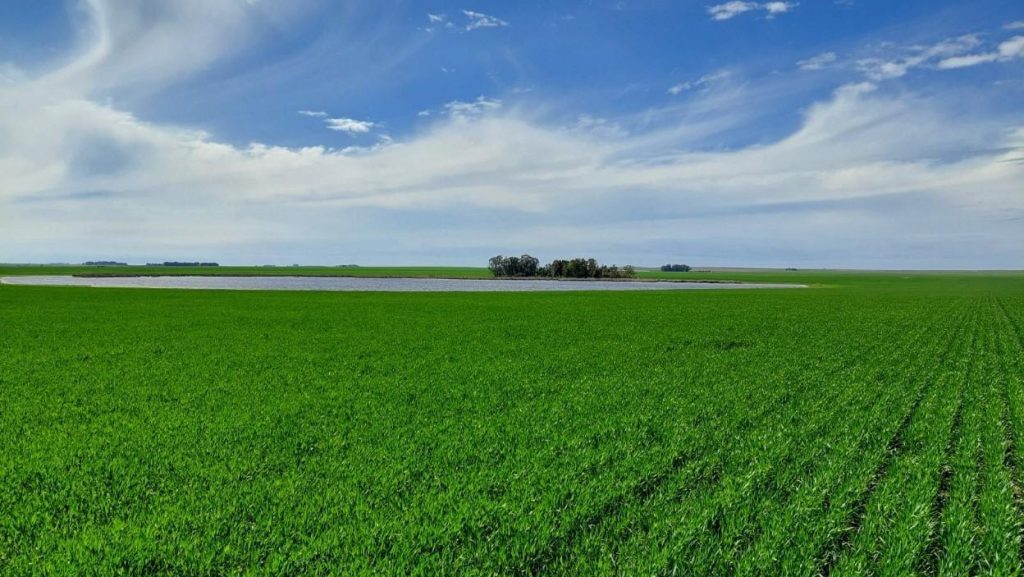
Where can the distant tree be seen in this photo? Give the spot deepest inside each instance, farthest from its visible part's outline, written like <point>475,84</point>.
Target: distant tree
<point>497,265</point>
<point>675,268</point>
<point>528,266</point>
<point>176,263</point>
<point>520,266</point>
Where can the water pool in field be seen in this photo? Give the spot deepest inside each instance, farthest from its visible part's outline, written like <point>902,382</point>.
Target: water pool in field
<point>308,283</point>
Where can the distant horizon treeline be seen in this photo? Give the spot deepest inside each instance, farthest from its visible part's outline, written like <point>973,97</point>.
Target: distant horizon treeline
<point>529,266</point>
<point>675,268</point>
<point>175,263</point>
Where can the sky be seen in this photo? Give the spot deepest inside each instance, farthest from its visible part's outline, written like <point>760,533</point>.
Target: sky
<point>813,133</point>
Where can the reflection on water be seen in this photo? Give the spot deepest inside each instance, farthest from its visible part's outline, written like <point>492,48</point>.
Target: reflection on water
<point>297,283</point>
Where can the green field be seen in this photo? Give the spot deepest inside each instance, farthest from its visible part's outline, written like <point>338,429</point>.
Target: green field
<point>866,426</point>
<point>138,270</point>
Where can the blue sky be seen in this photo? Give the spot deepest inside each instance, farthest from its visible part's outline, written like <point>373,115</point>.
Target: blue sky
<point>853,133</point>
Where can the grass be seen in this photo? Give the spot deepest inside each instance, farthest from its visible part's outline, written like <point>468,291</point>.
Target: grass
<point>867,427</point>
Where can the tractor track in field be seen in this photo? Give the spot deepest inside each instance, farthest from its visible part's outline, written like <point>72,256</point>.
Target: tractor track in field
<point>979,461</point>
<point>1008,418</point>
<point>640,492</point>
<point>928,563</point>
<point>1013,322</point>
<point>844,539</point>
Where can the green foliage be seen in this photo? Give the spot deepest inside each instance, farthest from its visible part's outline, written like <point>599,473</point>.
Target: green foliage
<point>675,268</point>
<point>868,427</point>
<point>528,266</point>
<point>522,266</point>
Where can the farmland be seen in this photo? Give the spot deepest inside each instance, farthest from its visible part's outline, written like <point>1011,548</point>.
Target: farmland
<point>142,270</point>
<point>869,425</point>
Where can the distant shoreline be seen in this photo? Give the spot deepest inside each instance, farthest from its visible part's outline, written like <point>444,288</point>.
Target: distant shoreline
<point>482,279</point>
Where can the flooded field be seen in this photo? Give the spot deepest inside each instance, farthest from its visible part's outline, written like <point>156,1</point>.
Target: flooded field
<point>376,284</point>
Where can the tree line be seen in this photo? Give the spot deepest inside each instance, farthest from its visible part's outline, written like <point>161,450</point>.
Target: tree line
<point>176,263</point>
<point>675,268</point>
<point>529,266</point>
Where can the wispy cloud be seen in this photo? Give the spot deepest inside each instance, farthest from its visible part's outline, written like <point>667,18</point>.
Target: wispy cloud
<point>479,106</point>
<point>701,83</point>
<point>729,10</point>
<point>436,20</point>
<point>1018,25</point>
<point>479,20</point>
<point>908,58</point>
<point>1009,50</point>
<point>818,62</point>
<point>349,125</point>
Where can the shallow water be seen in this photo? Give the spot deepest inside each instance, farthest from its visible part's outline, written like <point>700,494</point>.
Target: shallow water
<point>297,283</point>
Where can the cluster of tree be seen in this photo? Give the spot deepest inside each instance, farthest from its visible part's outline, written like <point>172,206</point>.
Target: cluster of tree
<point>104,263</point>
<point>525,265</point>
<point>675,268</point>
<point>175,263</point>
<point>528,266</point>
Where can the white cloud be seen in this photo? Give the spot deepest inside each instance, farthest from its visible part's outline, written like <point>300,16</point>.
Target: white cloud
<point>729,10</point>
<point>701,83</point>
<point>1006,51</point>
<point>818,62</point>
<point>966,61</point>
<point>850,148</point>
<point>679,88</point>
<point>1018,25</point>
<point>437,20</point>
<point>1012,48</point>
<point>139,48</point>
<point>349,125</point>
<point>477,20</point>
<point>481,105</point>
<point>778,7</point>
<point>909,58</point>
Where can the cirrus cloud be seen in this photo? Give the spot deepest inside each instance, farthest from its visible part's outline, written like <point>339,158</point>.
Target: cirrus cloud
<point>730,10</point>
